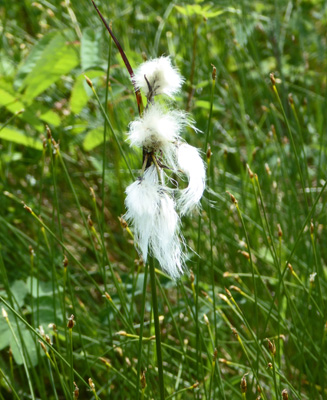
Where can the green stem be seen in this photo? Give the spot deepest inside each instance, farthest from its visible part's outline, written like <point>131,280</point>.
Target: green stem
<point>139,353</point>
<point>157,329</point>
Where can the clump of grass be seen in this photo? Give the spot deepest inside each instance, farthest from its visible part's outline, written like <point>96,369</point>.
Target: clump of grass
<point>265,144</point>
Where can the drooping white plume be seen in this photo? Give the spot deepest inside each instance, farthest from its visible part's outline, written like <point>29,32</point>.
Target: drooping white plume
<point>161,75</point>
<point>154,222</point>
<point>142,202</point>
<point>191,163</point>
<point>165,242</point>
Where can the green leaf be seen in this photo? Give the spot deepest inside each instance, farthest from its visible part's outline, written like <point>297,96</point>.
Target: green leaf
<point>33,57</point>
<point>58,58</point>
<point>90,49</point>
<point>93,139</point>
<point>16,136</point>
<point>29,344</point>
<point>81,92</point>
<point>44,289</point>
<point>33,114</point>
<point>19,291</point>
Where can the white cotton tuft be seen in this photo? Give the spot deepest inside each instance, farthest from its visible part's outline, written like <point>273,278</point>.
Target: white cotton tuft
<point>190,162</point>
<point>142,202</point>
<point>165,242</point>
<point>155,223</point>
<point>158,130</point>
<point>161,75</point>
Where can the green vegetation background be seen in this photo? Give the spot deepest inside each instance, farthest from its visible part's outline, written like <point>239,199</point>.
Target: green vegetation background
<point>63,258</point>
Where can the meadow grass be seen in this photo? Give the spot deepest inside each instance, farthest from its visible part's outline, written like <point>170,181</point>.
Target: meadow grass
<point>81,312</point>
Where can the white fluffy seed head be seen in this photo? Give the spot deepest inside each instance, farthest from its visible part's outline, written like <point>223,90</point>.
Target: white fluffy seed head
<point>161,75</point>
<point>165,241</point>
<point>190,162</point>
<point>158,130</point>
<point>155,223</point>
<point>142,202</point>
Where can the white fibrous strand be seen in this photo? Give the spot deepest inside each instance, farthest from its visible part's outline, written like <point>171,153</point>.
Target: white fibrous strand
<point>155,223</point>
<point>142,202</point>
<point>165,242</point>
<point>191,164</point>
<point>162,77</point>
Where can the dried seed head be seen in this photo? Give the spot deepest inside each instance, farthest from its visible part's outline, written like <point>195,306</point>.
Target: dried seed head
<point>280,232</point>
<point>91,384</point>
<point>285,394</point>
<point>71,322</point>
<point>92,192</point>
<point>237,289</point>
<point>214,72</point>
<point>215,355</point>
<point>272,79</point>
<point>76,392</point>
<point>272,347</point>
<point>105,361</point>
<point>123,223</point>
<point>245,254</point>
<point>251,174</point>
<point>228,293</point>
<point>143,380</point>
<point>48,340</point>
<point>270,365</point>
<point>289,266</point>
<point>65,261</point>
<point>232,197</point>
<point>4,313</point>
<point>209,153</point>
<point>27,208</point>
<point>234,331</point>
<point>31,250</point>
<point>89,221</point>
<point>192,276</point>
<point>53,327</point>
<point>43,347</point>
<point>312,227</point>
<point>88,81</point>
<point>312,278</point>
<point>48,132</point>
<point>121,333</point>
<point>290,99</point>
<point>206,320</point>
<point>108,297</point>
<point>244,385</point>
<point>267,169</point>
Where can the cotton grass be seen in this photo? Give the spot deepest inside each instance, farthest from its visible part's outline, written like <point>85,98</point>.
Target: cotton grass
<point>153,208</point>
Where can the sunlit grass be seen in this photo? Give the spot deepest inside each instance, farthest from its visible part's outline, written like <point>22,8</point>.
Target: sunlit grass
<point>249,319</point>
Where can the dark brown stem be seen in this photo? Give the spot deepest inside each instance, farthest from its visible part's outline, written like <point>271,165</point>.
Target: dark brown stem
<point>125,59</point>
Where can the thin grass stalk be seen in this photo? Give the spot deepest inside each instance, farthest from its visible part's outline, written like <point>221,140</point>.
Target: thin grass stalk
<point>252,268</point>
<point>139,352</point>
<point>110,126</point>
<point>292,139</point>
<point>157,329</point>
<point>36,333</point>
<point>9,384</point>
<point>29,380</point>
<point>304,156</point>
